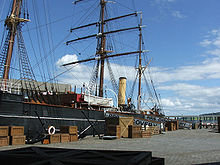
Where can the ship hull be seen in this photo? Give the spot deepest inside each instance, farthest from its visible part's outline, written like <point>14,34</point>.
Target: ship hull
<point>13,111</point>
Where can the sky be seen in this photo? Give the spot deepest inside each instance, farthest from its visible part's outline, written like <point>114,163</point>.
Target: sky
<point>182,36</point>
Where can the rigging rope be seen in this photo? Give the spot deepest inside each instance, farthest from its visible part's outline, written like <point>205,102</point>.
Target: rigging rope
<point>50,40</point>
<point>94,77</point>
<point>112,77</point>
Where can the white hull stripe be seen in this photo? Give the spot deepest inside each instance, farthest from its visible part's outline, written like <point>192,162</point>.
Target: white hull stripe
<point>50,118</point>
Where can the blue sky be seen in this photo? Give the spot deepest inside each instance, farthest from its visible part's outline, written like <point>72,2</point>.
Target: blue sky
<point>182,36</point>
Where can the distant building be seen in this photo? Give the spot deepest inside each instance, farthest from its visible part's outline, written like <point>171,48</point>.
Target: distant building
<point>209,118</point>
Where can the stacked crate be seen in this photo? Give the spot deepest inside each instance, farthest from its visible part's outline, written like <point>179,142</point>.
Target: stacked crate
<point>134,131</point>
<point>177,124</point>
<point>4,138</point>
<point>113,130</point>
<point>170,125</point>
<point>64,137</point>
<point>156,130</point>
<point>173,126</point>
<point>68,133</point>
<point>145,134</point>
<point>123,122</point>
<point>150,129</point>
<point>17,136</point>
<point>55,138</point>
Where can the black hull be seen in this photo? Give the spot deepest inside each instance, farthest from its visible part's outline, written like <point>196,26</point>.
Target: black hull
<point>13,111</point>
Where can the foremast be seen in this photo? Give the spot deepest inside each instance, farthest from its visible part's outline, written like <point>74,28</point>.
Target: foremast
<point>27,84</point>
<point>12,22</point>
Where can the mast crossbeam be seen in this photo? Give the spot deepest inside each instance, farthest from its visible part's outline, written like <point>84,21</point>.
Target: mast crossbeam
<point>107,20</point>
<point>98,58</point>
<point>101,34</point>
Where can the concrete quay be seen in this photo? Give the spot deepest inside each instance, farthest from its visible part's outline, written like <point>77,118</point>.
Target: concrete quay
<point>181,147</point>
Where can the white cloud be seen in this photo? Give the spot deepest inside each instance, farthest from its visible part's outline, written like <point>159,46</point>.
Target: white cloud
<point>193,98</point>
<point>193,91</point>
<point>205,43</point>
<point>66,59</point>
<point>215,52</point>
<point>178,14</point>
<point>213,39</point>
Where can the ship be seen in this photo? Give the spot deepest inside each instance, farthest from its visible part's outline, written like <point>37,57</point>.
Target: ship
<point>37,105</point>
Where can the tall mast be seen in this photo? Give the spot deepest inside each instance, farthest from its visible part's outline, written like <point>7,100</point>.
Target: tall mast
<point>102,50</point>
<point>12,22</point>
<point>140,64</point>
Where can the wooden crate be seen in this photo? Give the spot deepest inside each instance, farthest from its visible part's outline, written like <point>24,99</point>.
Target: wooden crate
<point>173,124</point>
<point>64,138</point>
<point>4,141</point>
<point>156,130</point>
<point>150,129</point>
<point>170,125</point>
<point>68,130</point>
<point>16,130</point>
<point>145,134</point>
<point>134,131</point>
<point>177,124</point>
<point>17,140</point>
<point>54,138</point>
<point>73,138</point>
<point>4,130</point>
<point>123,122</point>
<point>113,130</point>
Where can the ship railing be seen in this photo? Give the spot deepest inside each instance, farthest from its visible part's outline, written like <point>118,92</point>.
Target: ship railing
<point>7,86</point>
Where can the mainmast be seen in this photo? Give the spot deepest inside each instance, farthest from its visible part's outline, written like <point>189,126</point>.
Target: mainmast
<point>102,50</point>
<point>140,65</point>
